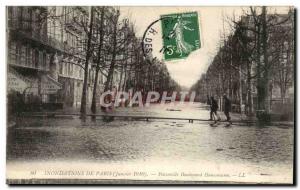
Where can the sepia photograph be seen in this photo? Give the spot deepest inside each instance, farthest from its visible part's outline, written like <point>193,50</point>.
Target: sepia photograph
<point>150,95</point>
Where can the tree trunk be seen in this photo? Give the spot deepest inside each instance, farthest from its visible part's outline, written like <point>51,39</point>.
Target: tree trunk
<point>121,76</point>
<point>101,35</point>
<point>249,90</point>
<point>266,77</point>
<point>240,89</point>
<point>124,67</point>
<point>125,77</point>
<point>86,65</point>
<point>259,85</point>
<point>230,78</point>
<point>113,61</point>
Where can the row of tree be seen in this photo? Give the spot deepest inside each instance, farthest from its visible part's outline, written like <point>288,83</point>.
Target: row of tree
<point>257,56</point>
<point>109,44</point>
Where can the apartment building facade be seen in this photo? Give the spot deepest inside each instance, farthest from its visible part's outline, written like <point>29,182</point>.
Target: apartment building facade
<point>46,54</point>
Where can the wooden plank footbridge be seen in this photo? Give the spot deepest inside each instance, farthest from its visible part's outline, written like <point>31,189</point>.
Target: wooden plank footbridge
<point>132,117</point>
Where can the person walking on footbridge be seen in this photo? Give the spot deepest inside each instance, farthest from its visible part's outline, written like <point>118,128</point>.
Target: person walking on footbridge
<point>213,110</point>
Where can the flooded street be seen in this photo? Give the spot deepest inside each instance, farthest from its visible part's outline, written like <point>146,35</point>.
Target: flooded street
<point>264,151</point>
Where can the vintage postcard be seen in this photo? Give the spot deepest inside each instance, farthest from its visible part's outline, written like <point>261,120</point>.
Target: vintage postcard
<point>150,95</point>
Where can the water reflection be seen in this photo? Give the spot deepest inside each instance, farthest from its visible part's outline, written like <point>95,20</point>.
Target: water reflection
<point>129,140</point>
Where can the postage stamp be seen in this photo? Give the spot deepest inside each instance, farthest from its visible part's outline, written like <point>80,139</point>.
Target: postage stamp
<point>180,34</point>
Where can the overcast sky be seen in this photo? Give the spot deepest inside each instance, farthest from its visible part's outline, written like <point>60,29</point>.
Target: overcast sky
<point>187,71</point>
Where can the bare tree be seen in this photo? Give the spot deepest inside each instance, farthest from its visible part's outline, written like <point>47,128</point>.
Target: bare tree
<point>259,51</point>
<point>101,13</point>
<point>86,64</point>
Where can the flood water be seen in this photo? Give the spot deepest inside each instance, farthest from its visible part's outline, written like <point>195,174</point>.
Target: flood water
<point>269,149</point>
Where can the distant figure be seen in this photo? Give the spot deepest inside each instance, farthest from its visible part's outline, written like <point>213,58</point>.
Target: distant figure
<point>213,110</point>
<point>227,108</point>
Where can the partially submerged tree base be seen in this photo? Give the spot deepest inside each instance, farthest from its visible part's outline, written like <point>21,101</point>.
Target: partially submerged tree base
<point>263,117</point>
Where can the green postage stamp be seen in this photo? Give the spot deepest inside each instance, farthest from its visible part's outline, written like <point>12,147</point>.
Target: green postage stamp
<point>180,33</point>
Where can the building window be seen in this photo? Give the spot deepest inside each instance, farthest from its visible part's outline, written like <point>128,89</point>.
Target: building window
<point>23,55</point>
<point>36,59</point>
<point>12,52</point>
<point>28,56</point>
<point>18,52</point>
<point>26,18</point>
<point>31,57</point>
<point>41,60</point>
<point>60,68</point>
<point>34,23</point>
<point>15,18</point>
<point>47,62</point>
<point>44,64</point>
<point>10,16</point>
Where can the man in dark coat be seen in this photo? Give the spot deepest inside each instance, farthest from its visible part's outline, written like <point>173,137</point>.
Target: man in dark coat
<point>227,107</point>
<point>213,109</point>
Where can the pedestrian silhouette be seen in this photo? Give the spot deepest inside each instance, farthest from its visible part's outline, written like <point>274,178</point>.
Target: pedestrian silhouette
<point>227,108</point>
<point>213,110</point>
